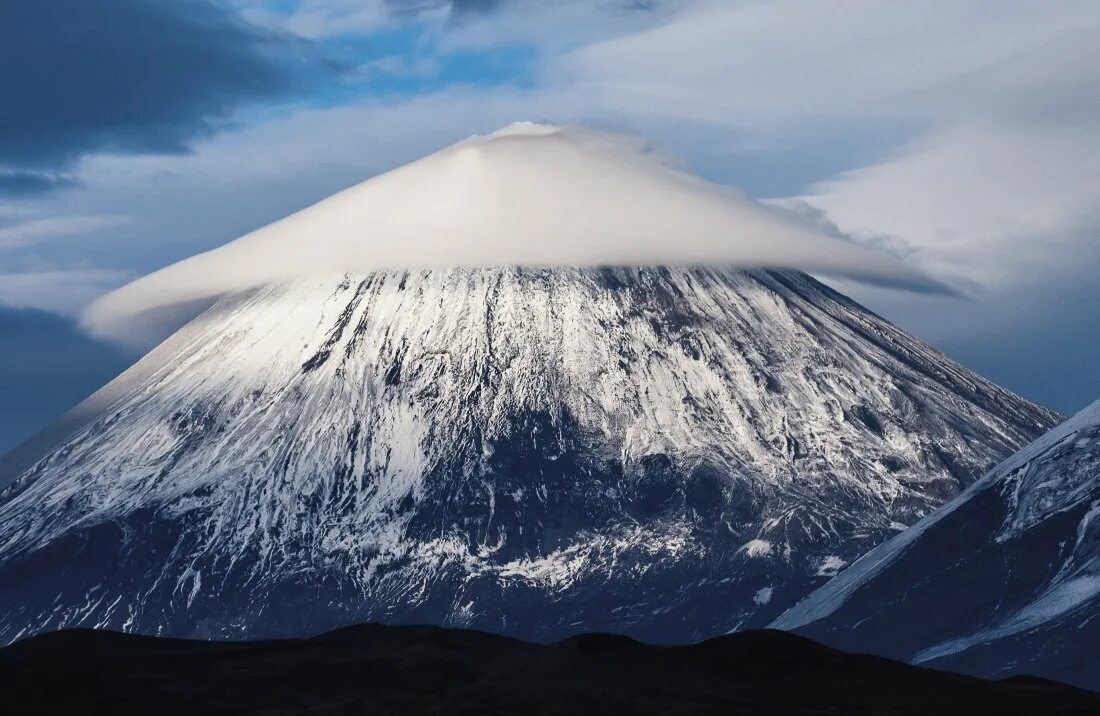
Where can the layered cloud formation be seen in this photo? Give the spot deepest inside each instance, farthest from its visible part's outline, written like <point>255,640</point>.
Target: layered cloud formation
<point>528,194</point>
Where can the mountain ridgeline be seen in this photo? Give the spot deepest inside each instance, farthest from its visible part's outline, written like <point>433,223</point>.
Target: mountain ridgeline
<point>410,670</point>
<point>1004,580</point>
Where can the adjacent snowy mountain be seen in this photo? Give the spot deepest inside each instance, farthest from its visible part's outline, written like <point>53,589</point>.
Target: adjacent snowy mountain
<point>668,452</point>
<point>1004,580</point>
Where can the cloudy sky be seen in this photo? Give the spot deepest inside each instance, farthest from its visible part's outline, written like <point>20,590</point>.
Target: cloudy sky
<point>958,136</point>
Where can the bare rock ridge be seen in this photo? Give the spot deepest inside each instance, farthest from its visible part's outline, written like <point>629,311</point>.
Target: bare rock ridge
<point>671,453</point>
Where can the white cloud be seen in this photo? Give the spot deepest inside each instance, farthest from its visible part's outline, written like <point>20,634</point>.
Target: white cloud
<point>399,66</point>
<point>64,291</point>
<point>755,63</point>
<point>525,195</point>
<point>989,203</point>
<point>33,231</point>
<point>554,27</point>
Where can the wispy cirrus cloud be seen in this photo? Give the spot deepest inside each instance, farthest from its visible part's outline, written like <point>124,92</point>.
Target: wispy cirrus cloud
<point>32,231</point>
<point>59,290</point>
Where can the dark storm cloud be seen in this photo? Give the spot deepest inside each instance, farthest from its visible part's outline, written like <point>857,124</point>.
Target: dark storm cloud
<point>81,76</point>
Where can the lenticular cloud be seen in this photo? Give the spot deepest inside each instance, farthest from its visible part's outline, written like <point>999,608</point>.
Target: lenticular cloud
<point>528,194</point>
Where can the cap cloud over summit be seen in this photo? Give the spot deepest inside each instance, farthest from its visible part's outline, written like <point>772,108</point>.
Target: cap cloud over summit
<point>528,194</point>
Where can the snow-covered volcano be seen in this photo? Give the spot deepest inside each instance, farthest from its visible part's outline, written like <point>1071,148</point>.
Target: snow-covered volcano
<point>371,421</point>
<point>667,452</point>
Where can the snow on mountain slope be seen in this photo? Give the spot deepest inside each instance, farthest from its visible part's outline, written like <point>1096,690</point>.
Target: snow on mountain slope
<point>668,452</point>
<point>1005,579</point>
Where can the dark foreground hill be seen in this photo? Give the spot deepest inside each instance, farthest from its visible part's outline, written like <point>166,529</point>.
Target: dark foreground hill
<point>425,670</point>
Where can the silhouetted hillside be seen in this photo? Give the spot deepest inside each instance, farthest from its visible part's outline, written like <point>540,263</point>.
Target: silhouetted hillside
<point>376,669</point>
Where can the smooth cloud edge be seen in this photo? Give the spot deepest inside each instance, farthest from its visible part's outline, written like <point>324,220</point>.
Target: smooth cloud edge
<point>647,194</point>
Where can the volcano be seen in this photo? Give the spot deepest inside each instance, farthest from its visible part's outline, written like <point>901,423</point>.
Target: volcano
<point>671,452</point>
